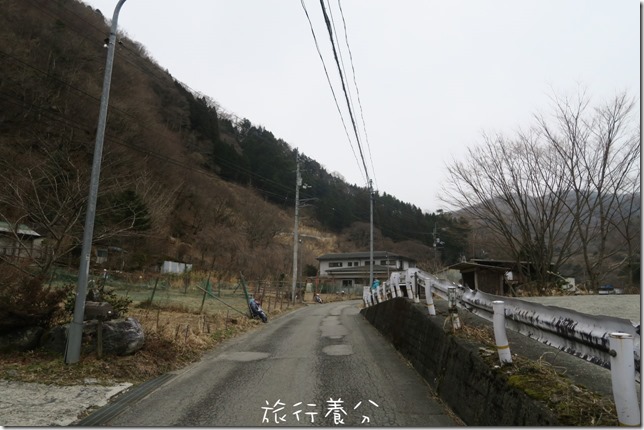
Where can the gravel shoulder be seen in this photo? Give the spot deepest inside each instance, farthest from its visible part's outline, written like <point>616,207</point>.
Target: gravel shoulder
<point>26,404</point>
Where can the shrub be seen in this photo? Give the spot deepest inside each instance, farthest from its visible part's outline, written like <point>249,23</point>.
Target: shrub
<point>120,304</point>
<point>26,302</point>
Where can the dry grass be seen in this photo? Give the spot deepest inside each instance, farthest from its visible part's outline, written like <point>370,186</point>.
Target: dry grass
<point>574,405</point>
<point>174,339</point>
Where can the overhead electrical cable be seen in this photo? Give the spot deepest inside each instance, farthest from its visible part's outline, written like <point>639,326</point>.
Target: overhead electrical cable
<point>355,84</point>
<point>344,87</point>
<point>337,42</point>
<point>317,46</point>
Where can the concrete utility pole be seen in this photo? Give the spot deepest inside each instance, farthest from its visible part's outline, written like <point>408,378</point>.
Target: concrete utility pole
<point>75,334</point>
<point>371,241</point>
<point>298,183</point>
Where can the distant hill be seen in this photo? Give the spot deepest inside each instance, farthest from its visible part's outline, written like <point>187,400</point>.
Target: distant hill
<point>179,180</point>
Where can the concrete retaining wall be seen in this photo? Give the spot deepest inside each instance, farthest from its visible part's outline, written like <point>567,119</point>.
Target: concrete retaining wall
<point>454,369</point>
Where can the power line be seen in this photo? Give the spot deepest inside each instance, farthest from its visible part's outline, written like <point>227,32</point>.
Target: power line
<point>344,88</point>
<point>317,46</point>
<point>355,84</point>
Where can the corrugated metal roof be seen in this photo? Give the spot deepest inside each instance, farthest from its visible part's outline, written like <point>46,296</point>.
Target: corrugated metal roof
<point>22,229</point>
<point>467,265</point>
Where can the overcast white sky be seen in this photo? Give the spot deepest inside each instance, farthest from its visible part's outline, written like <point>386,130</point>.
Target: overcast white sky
<point>432,75</point>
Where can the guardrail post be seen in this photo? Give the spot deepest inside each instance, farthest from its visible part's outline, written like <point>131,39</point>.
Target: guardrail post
<point>453,310</point>
<point>500,337</point>
<point>366,295</point>
<point>394,279</point>
<point>622,369</point>
<point>431,309</point>
<point>414,282</point>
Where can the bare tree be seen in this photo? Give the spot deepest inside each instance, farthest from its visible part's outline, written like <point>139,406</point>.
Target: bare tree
<point>558,190</point>
<point>507,185</point>
<point>600,150</point>
<point>51,195</point>
<point>260,224</point>
<point>627,224</point>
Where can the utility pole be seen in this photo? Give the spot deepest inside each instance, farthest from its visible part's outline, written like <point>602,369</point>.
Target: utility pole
<point>371,234</point>
<point>435,237</point>
<point>75,334</point>
<point>298,183</point>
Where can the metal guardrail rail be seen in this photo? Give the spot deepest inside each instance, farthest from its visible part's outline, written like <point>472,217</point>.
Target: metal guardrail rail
<point>584,336</point>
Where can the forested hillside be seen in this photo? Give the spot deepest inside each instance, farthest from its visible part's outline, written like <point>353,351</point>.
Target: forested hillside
<point>179,179</point>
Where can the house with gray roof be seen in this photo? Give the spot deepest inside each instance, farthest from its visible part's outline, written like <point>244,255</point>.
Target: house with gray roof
<point>352,269</point>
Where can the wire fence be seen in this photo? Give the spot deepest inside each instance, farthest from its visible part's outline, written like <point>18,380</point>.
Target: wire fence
<point>202,293</point>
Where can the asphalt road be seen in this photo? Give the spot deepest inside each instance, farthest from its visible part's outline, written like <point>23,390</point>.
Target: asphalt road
<point>322,365</point>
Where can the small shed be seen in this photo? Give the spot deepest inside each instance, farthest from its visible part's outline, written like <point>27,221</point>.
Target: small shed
<point>483,277</point>
<point>175,267</point>
<point>19,241</point>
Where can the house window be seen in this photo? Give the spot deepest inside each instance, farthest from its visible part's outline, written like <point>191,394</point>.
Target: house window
<point>350,264</point>
<point>335,264</point>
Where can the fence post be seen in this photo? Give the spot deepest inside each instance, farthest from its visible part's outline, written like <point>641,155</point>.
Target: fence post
<point>154,290</point>
<point>622,371</point>
<point>500,336</point>
<point>203,299</point>
<point>99,338</point>
<point>280,291</point>
<point>453,310</point>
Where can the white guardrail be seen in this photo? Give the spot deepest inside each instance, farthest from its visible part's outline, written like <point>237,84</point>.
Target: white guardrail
<point>597,339</point>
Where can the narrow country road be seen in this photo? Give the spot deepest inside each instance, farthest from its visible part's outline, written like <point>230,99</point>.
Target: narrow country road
<point>322,365</point>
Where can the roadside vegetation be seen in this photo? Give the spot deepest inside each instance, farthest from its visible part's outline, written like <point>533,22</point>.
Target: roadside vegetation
<point>181,317</point>
<point>572,404</point>
<point>173,339</point>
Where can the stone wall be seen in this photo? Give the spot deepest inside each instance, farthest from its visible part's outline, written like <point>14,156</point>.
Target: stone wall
<point>454,368</point>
